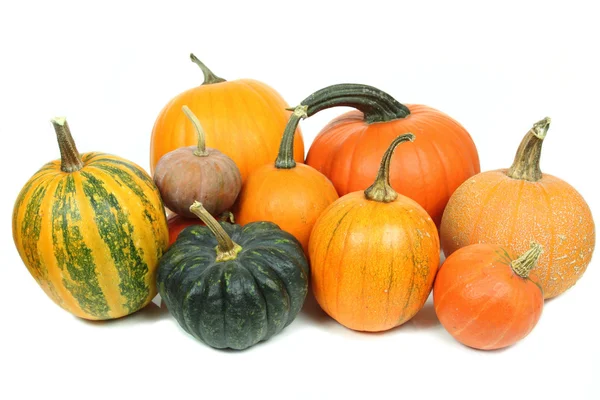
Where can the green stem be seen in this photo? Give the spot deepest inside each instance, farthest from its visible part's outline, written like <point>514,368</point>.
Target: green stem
<point>375,104</point>
<point>70,159</point>
<point>527,261</point>
<point>285,157</point>
<point>226,248</point>
<point>526,165</point>
<point>381,190</point>
<point>201,149</point>
<point>209,76</point>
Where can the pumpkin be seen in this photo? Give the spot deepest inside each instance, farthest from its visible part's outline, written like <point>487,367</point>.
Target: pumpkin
<point>349,148</point>
<point>511,207</point>
<point>485,298</point>
<point>197,172</point>
<point>231,286</point>
<point>374,255</point>
<point>90,228</point>
<point>289,194</point>
<point>244,119</point>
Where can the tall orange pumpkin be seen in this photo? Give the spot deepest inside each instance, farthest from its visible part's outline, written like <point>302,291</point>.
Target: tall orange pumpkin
<point>289,194</point>
<point>374,255</point>
<point>511,207</point>
<point>349,148</point>
<point>244,119</point>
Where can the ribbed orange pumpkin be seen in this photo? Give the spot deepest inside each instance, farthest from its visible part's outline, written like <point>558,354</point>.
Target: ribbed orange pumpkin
<point>374,255</point>
<point>485,298</point>
<point>244,119</point>
<point>349,148</point>
<point>286,193</point>
<point>515,206</point>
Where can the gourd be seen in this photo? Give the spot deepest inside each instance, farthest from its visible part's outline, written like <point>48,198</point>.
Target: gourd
<point>90,228</point>
<point>197,172</point>
<point>231,286</point>
<point>349,148</point>
<point>244,119</point>
<point>486,298</point>
<point>511,207</point>
<point>374,255</point>
<point>290,194</point>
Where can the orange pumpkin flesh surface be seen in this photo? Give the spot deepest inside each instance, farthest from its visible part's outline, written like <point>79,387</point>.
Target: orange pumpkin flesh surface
<point>244,119</point>
<point>485,298</point>
<point>289,194</point>
<point>198,173</point>
<point>512,207</point>
<point>374,255</point>
<point>349,148</point>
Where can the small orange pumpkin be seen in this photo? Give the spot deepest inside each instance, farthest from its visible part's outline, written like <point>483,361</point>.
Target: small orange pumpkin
<point>244,119</point>
<point>486,298</point>
<point>512,207</point>
<point>289,194</point>
<point>374,255</point>
<point>349,148</point>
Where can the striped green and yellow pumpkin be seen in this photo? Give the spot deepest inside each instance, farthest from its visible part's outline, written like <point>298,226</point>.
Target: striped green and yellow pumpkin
<point>91,228</point>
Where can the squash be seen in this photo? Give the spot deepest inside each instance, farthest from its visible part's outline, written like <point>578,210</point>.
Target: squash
<point>511,207</point>
<point>197,172</point>
<point>90,228</point>
<point>486,298</point>
<point>231,286</point>
<point>244,119</point>
<point>374,255</point>
<point>289,194</point>
<point>349,148</point>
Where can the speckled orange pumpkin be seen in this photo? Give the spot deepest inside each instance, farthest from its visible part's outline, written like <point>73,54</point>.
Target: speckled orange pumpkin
<point>512,207</point>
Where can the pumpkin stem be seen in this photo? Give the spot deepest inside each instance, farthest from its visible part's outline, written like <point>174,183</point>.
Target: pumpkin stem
<point>527,261</point>
<point>375,104</point>
<point>201,150</point>
<point>526,165</point>
<point>226,249</point>
<point>209,76</point>
<point>285,158</point>
<point>70,159</point>
<point>381,190</point>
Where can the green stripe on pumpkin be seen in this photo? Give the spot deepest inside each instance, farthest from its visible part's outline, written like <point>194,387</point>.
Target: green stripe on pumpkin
<point>117,232</point>
<point>74,255</point>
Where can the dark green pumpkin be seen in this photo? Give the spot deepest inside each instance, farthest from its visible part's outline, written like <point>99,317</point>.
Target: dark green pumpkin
<point>231,286</point>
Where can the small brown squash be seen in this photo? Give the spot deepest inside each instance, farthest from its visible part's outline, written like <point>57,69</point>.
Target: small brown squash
<point>197,172</point>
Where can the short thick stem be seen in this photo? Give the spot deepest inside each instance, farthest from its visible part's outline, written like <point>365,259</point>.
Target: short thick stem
<point>375,104</point>
<point>209,76</point>
<point>526,165</point>
<point>381,190</point>
<point>285,158</point>
<point>69,156</point>
<point>201,148</point>
<point>226,248</point>
<point>523,265</point>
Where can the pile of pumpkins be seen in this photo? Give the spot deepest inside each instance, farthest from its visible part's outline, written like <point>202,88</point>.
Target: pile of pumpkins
<point>232,225</point>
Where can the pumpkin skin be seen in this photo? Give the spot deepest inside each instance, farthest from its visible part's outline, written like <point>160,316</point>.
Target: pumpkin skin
<point>244,119</point>
<point>482,302</point>
<point>373,262</point>
<point>349,148</point>
<point>493,207</point>
<point>91,237</point>
<point>240,301</point>
<point>196,172</point>
<point>288,194</point>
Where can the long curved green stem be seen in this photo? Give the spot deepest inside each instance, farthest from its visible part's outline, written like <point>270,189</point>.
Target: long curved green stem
<point>226,249</point>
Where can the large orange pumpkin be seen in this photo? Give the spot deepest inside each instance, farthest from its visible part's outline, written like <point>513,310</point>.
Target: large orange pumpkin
<point>349,148</point>
<point>289,194</point>
<point>511,207</point>
<point>374,255</point>
<point>244,119</point>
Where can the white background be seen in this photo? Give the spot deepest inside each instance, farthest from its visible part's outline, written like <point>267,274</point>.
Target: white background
<point>111,66</point>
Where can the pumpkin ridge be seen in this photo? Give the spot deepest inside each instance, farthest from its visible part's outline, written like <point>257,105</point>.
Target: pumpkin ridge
<point>515,213</point>
<point>265,303</point>
<point>483,205</point>
<point>550,248</point>
<point>484,307</point>
<point>412,276</point>
<point>509,325</point>
<point>359,136</point>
